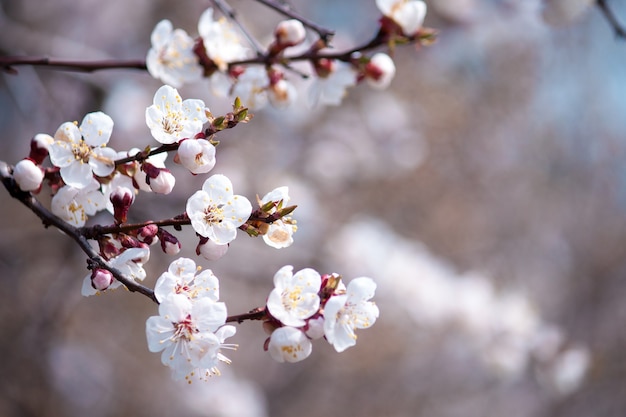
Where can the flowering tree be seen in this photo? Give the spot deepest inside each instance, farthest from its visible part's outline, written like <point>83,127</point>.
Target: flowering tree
<point>85,177</point>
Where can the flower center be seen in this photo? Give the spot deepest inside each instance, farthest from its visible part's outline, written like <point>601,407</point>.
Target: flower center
<point>81,151</point>
<point>291,298</point>
<point>172,122</point>
<point>184,329</point>
<point>214,214</point>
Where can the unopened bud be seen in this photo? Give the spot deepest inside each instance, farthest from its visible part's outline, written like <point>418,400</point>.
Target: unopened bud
<point>28,175</point>
<point>289,33</point>
<point>39,146</point>
<point>163,182</point>
<point>122,198</point>
<point>380,71</point>
<point>169,242</point>
<point>101,279</point>
<point>314,328</point>
<point>148,234</point>
<point>210,250</point>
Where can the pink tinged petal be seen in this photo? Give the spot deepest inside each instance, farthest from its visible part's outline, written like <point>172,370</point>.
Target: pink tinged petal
<point>77,174</point>
<point>61,154</point>
<point>68,132</point>
<point>96,128</point>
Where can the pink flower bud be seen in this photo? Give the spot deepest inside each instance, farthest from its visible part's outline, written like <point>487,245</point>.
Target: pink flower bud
<point>101,279</point>
<point>380,71</point>
<point>169,242</point>
<point>289,33</point>
<point>282,94</point>
<point>27,175</point>
<point>122,198</point>
<point>148,234</point>
<point>163,182</point>
<point>39,146</point>
<point>210,250</point>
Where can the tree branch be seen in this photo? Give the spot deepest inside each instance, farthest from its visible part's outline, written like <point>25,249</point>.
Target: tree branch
<point>49,219</point>
<point>620,31</point>
<point>8,62</point>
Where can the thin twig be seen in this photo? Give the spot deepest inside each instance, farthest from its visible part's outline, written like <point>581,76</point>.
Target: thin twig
<point>232,15</point>
<point>49,219</point>
<point>620,31</point>
<point>8,62</point>
<point>325,34</point>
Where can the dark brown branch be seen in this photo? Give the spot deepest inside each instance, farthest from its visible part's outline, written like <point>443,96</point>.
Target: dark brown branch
<point>232,15</point>
<point>619,30</point>
<point>8,62</point>
<point>94,232</point>
<point>259,313</point>
<point>49,219</point>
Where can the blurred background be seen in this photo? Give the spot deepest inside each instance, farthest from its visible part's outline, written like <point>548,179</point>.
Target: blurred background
<point>484,192</point>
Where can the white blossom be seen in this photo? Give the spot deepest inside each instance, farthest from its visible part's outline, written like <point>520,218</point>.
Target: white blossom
<point>182,277</point>
<point>75,205</point>
<point>28,175</point>
<point>280,233</point>
<point>190,335</point>
<point>408,14</point>
<point>350,311</point>
<point>171,119</point>
<point>129,263</point>
<point>171,58</point>
<point>215,212</point>
<point>288,344</point>
<point>197,155</point>
<point>80,152</point>
<point>295,296</point>
<point>211,251</point>
<point>223,44</point>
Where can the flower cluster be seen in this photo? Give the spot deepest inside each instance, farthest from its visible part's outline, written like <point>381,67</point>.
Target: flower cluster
<point>221,54</point>
<point>85,177</point>
<point>306,306</point>
<point>190,329</point>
